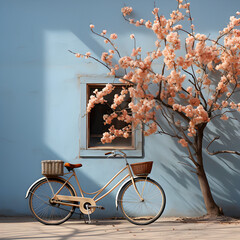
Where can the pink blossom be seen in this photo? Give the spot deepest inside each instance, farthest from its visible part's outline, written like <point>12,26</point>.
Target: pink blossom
<point>173,38</point>
<point>183,142</point>
<point>207,81</point>
<point>170,101</point>
<point>107,58</point>
<point>177,27</point>
<point>92,26</point>
<point>131,21</point>
<point>224,104</point>
<point>132,36</point>
<point>113,36</point>
<point>87,54</point>
<point>99,96</point>
<point>137,24</point>
<point>184,6</point>
<point>125,134</point>
<point>182,95</point>
<point>189,89</point>
<point>224,117</point>
<point>169,57</point>
<point>112,72</point>
<point>152,128</point>
<point>155,10</point>
<point>233,105</point>
<point>157,44</point>
<point>194,101</point>
<point>148,24</point>
<point>126,10</point>
<point>176,15</point>
<point>107,138</point>
<point>135,52</point>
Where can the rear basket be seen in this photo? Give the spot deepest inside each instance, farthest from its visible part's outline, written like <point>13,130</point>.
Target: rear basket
<point>52,167</point>
<point>142,168</point>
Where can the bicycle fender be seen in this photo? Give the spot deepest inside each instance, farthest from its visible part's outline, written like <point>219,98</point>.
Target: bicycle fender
<point>30,188</point>
<point>119,190</point>
<point>43,178</point>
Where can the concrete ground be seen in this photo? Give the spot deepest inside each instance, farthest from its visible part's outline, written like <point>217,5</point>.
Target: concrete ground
<point>164,228</point>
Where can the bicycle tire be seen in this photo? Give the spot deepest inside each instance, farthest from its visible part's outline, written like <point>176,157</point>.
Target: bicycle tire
<point>142,212</point>
<point>42,209</point>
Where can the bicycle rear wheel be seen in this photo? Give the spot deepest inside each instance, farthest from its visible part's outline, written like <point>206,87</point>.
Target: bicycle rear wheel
<point>41,206</point>
<point>146,211</point>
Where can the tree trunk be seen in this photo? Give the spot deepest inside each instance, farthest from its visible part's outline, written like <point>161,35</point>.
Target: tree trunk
<point>212,208</point>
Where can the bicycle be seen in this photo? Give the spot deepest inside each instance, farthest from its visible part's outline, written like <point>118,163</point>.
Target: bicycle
<point>53,199</point>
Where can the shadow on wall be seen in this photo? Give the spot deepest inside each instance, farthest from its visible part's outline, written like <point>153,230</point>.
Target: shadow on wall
<point>24,67</point>
<point>224,174</point>
<point>181,185</point>
<point>223,170</point>
<point>88,184</point>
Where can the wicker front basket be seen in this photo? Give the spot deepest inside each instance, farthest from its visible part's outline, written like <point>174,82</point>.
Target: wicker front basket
<point>52,167</point>
<point>142,168</point>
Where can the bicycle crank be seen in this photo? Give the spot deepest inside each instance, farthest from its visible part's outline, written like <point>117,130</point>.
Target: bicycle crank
<point>87,205</point>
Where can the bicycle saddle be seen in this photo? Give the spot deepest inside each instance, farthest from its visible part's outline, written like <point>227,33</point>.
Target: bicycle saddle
<point>71,166</point>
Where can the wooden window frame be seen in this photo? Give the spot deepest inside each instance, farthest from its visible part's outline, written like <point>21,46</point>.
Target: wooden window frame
<point>136,150</point>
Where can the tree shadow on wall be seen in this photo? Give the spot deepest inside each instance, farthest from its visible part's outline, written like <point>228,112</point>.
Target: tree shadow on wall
<point>180,185</point>
<point>224,169</point>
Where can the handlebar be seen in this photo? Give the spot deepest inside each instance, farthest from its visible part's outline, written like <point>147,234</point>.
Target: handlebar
<point>107,153</point>
<point>115,154</point>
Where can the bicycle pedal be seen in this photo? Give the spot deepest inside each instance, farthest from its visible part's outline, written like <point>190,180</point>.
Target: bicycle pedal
<point>99,207</point>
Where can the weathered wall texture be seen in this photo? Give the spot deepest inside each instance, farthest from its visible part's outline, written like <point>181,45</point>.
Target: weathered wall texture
<point>40,100</point>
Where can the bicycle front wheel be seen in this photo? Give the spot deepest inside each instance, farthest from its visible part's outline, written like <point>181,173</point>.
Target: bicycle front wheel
<point>147,210</point>
<point>42,206</point>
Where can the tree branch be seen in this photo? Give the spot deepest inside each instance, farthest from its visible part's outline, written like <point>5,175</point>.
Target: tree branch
<point>222,151</point>
<point>108,41</point>
<point>94,59</point>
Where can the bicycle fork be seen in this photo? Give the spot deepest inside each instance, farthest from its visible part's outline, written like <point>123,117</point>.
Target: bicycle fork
<point>135,187</point>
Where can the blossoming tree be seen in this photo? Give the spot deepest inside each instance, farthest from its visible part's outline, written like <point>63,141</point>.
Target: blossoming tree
<point>177,98</point>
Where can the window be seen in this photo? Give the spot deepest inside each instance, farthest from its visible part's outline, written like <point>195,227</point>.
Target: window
<point>96,126</point>
<point>92,126</point>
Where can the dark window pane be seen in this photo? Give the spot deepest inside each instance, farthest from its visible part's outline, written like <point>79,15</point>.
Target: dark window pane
<point>96,122</point>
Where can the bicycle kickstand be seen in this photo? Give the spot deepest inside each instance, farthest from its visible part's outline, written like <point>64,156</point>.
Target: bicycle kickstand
<point>89,207</point>
<point>89,219</point>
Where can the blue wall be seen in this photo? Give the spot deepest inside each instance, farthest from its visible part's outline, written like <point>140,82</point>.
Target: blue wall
<point>40,100</point>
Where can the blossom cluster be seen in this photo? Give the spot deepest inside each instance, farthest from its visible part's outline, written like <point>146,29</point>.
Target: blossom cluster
<point>108,137</point>
<point>196,115</point>
<point>99,96</point>
<point>183,85</point>
<point>126,11</point>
